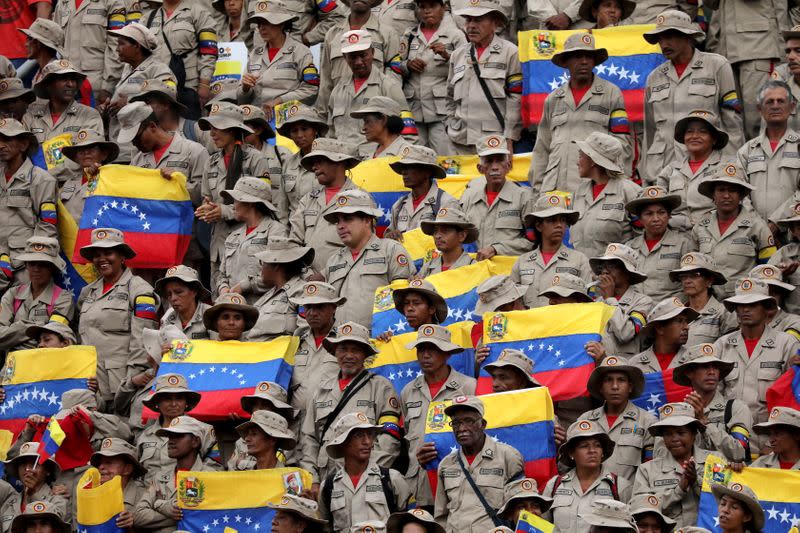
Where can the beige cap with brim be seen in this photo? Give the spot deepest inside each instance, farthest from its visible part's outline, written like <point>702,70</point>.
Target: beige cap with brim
<point>729,174</point>
<point>711,121</point>
<point>749,291</point>
<point>496,292</point>
<point>332,150</point>
<point>350,202</point>
<point>419,156</point>
<point>224,116</point>
<point>398,521</point>
<point>138,33</point>
<point>114,447</point>
<point>585,11</point>
<point>584,429</point>
<point>743,494</point>
<point>425,288</point>
<point>355,41</point>
<point>624,254</point>
<point>567,286</point>
<point>43,249</point>
<point>302,507</point>
<point>31,450</point>
<point>700,354</point>
<point>523,489</point>
<point>57,67</point>
<point>185,274</point>
<point>282,250</point>
<point>791,215</point>
<point>465,402</point>
<point>272,393</point>
<point>251,190</point>
<point>604,151</point>
<point>184,425</point>
<point>793,33</point>
<point>515,359</point>
<point>317,292</point>
<point>271,12</point>
<point>382,105</point>
<point>130,119</point>
<point>10,127</point>
<point>666,310</point>
<point>479,8</point>
<point>492,145</point>
<point>552,204</point>
<point>612,363</point>
<point>255,115</point>
<point>779,416</point>
<point>223,90</point>
<point>610,514</point>
<point>579,43</point>
<point>772,276</point>
<point>47,32</point>
<point>150,87</point>
<point>350,332</point>
<point>40,511</point>
<point>641,504</point>
<point>437,335</point>
<point>677,414</point>
<point>450,216</point>
<point>107,238</point>
<point>653,194</point>
<point>172,384</point>
<point>302,113</point>
<point>13,88</point>
<point>342,429</point>
<point>89,137</point>
<point>232,301</point>
<point>274,425</point>
<point>694,261</point>
<point>57,324</point>
<point>673,20</point>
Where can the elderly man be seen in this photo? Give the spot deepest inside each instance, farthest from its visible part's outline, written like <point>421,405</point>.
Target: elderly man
<point>790,70</point>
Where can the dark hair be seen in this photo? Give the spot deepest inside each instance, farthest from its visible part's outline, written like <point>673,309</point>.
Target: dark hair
<point>394,124</point>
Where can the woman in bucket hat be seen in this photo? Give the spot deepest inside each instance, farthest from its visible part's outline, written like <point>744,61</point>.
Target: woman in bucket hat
<point>89,150</point>
<point>186,295</point>
<point>451,230</point>
<point>40,516</point>
<point>282,266</point>
<point>697,274</point>
<point>240,270</point>
<point>660,247</point>
<point>113,311</point>
<point>33,303</point>
<point>382,127</point>
<point>739,508</point>
<point>398,521</point>
<point>523,495</point>
<point>38,479</point>
<point>294,513</point>
<point>56,333</point>
<point>601,195</point>
<point>265,435</point>
<point>677,475</point>
<point>787,258</point>
<point>699,132</point>
<point>585,450</point>
<point>646,511</point>
<point>230,317</point>
<point>420,303</point>
<point>783,432</point>
<point>549,222</point>
<point>733,234</point>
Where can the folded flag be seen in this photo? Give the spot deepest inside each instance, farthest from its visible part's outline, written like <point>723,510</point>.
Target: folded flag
<point>457,286</point>
<point>214,501</point>
<point>631,60</point>
<point>223,372</point>
<point>530,523</point>
<point>775,489</point>
<point>785,392</point>
<point>660,389</point>
<point>67,439</point>
<point>554,338</point>
<point>74,277</point>
<point>49,155</point>
<point>34,381</point>
<point>523,419</point>
<point>155,214</point>
<point>99,505</point>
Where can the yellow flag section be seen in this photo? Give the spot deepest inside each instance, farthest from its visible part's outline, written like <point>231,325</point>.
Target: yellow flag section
<point>776,490</point>
<point>420,247</point>
<point>75,276</point>
<point>99,505</point>
<point>51,149</point>
<point>239,500</point>
<point>530,523</point>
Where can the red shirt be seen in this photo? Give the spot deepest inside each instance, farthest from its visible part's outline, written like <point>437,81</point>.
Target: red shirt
<point>16,14</point>
<point>249,230</point>
<point>611,419</point>
<point>358,82</point>
<point>107,287</point>
<point>547,256</point>
<point>680,69</point>
<point>55,117</point>
<point>445,268</point>
<point>578,94</point>
<point>330,192</point>
<point>272,52</point>
<point>9,176</point>
<point>786,465</point>
<point>355,253</point>
<point>491,197</point>
<point>428,34</point>
<point>751,344</point>
<point>651,243</point>
<point>470,458</point>
<point>416,201</point>
<point>343,383</point>
<point>723,225</point>
<point>318,340</point>
<point>355,479</point>
<point>597,188</point>
<point>434,388</point>
<point>479,51</point>
<point>695,165</point>
<point>774,144</point>
<point>158,153</point>
<point>664,359</point>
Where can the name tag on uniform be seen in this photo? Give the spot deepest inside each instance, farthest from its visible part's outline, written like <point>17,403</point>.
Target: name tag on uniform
<point>321,405</point>
<point>665,482</point>
<point>412,405</point>
<point>375,261</point>
<point>260,240</point>
<point>495,64</point>
<point>704,81</point>
<point>374,488</point>
<point>609,207</point>
<point>451,473</point>
<point>771,364</point>
<point>287,66</point>
<point>509,213</point>
<point>561,491</point>
<point>661,87</point>
<point>632,431</point>
<point>570,270</point>
<point>491,471</point>
<point>364,403</point>
<point>674,255</point>
<point>599,109</point>
<point>334,268</point>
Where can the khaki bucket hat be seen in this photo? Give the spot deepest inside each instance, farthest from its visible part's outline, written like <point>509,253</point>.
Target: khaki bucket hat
<point>465,402</point>
<point>251,190</point>
<point>419,156</point>
<point>224,116</point>
<point>653,195</point>
<point>612,363</point>
<point>789,216</point>
<point>317,292</point>
<point>709,119</point>
<point>604,150</point>
<point>551,204</point>
<point>491,145</point>
<point>352,201</point>
<point>235,302</point>
<point>450,216</point>
<point>355,41</point>
<point>57,67</point>
<point>302,507</point>
<point>495,292</point>
<point>352,332</point>
<point>10,127</point>
<point>749,291</point>
<point>282,250</point>
<point>89,137</point>
<point>158,87</point>
<point>729,174</point>
<point>523,489</point>
<point>673,20</point>
<point>694,261</point>
<point>31,450</point>
<point>567,285</point>
<point>105,238</point>
<point>332,150</point>
<point>793,33</point>
<point>172,384</point>
<point>772,276</point>
<point>743,494</point>
<point>255,115</point>
<point>36,511</point>
<point>437,335</point>
<point>342,429</point>
<point>666,310</point>
<point>624,254</point>
<point>130,120</point>
<point>368,526</point>
<point>138,33</point>
<point>779,416</point>
<point>57,324</point>
<point>44,249</point>
<point>224,90</point>
<point>583,429</point>
<point>274,425</point>
<point>302,113</point>
<point>478,8</point>
<point>113,447</point>
<point>518,360</point>
<point>185,274</point>
<point>699,354</point>
<point>271,12</point>
<point>77,397</point>
<point>677,414</point>
<point>12,88</point>
<point>642,504</point>
<point>612,514</point>
<point>272,393</point>
<point>47,32</point>
<point>184,425</point>
<point>425,288</point>
<point>382,105</point>
<point>583,43</point>
<point>398,521</point>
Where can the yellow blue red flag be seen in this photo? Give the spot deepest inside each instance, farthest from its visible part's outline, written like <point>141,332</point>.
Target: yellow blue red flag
<point>75,276</point>
<point>99,505</point>
<point>530,523</point>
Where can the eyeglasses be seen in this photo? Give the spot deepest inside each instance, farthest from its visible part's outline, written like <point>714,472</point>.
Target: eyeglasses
<point>690,275</point>
<point>464,422</point>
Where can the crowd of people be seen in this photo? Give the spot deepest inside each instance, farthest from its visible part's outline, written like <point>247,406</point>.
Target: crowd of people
<point>686,223</point>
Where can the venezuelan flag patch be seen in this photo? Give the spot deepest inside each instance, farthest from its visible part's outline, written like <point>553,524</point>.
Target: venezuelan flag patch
<point>409,124</point>
<point>395,63</point>
<point>208,42</point>
<point>326,6</point>
<point>311,75</point>
<point>5,266</point>
<point>145,307</point>
<point>117,20</point>
<point>741,435</point>
<point>639,321</point>
<point>391,425</point>
<point>514,84</point>
<point>619,122</point>
<point>47,213</point>
<point>731,101</point>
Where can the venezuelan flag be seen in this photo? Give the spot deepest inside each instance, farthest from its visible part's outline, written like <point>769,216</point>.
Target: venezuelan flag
<point>326,6</point>
<point>74,277</point>
<point>51,439</point>
<point>530,523</point>
<point>116,20</point>
<point>225,371</point>
<point>99,505</point>
<point>34,381</point>
<point>214,501</point>
<point>207,42</point>
<point>631,59</point>
<point>458,287</point>
<point>776,490</point>
<point>660,389</point>
<point>311,75</point>
<point>554,338</point>
<point>155,214</point>
<point>785,392</point>
<point>421,248</point>
<point>522,419</point>
<point>5,266</point>
<point>409,124</point>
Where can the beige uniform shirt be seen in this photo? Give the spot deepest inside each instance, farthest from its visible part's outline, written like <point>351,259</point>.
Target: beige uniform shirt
<point>656,263</point>
<point>239,264</point>
<point>661,477</point>
<point>554,163</point>
<point>19,310</point>
<point>366,501</point>
<point>774,174</point>
<point>435,264</point>
<point>109,322</point>
<point>746,241</point>
<point>426,91</point>
<point>704,84</point>
<point>457,507</point>
<point>395,148</point>
<point>405,217</point>
<point>786,322</point>
<point>771,461</point>
<point>310,228</point>
<point>290,75</point>
<point>624,325</point>
<point>27,209</point>
<point>749,30</point>
<point>470,115</point>
<point>679,179</point>
<point>570,501</point>
<point>415,400</point>
<point>647,10</point>
<point>276,314</point>
<point>786,254</point>
<point>714,321</point>
<point>87,42</point>
<point>380,262</point>
<point>253,164</point>
<point>295,183</point>
<point>540,10</point>
<point>531,271</point>
<point>717,436</point>
<point>312,366</point>
<point>377,400</point>
<point>276,155</point>
<point>182,155</point>
<point>195,328</point>
<point>633,442</point>
<point>603,219</point>
<point>399,16</point>
<point>321,14</point>
<point>502,224</point>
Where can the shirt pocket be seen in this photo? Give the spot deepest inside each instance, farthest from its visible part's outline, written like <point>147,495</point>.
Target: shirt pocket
<point>22,202</point>
<point>766,377</point>
<point>564,510</point>
<point>116,316</point>
<point>458,82</point>
<point>495,79</point>
<point>375,499</point>
<point>93,28</point>
<point>658,99</point>
<point>182,36</point>
<point>440,97</point>
<point>628,450</point>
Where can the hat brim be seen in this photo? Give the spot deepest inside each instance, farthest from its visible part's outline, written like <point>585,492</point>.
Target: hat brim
<point>12,465</point>
<point>598,158</point>
<point>42,39</point>
<point>284,409</point>
<point>595,382</point>
<point>745,299</point>
<point>304,254</point>
<point>142,97</point>
<point>27,94</point>
<point>677,421</point>
<point>40,88</point>
<point>763,427</point>
<point>330,217</point>
<point>706,187</point>
<point>719,278</point>
<point>572,216</point>
<point>789,34</point>
<point>330,344</point>
<point>475,11</point>
<point>652,35</point>
<point>286,441</point>
<point>600,55</point>
<point>786,222</point>
<point>438,172</point>
<point>56,261</point>
<point>127,135</point>
<point>670,203</point>
<point>348,160</point>
<point>316,300</point>
<point>319,125</point>
<point>447,347</point>
<point>239,196</point>
<point>334,447</point>
<point>87,252</point>
<point>605,442</point>
<point>690,313</point>
<point>504,364</point>
<point>665,520</point>
<point>719,490</point>
<point>35,331</point>
<point>399,295</point>
<point>453,407</point>
<point>565,292</point>
<point>771,282</point>
<point>273,18</point>
<point>20,522</point>
<point>360,47</point>
<point>113,150</point>
<point>210,315</point>
<point>680,374</point>
<point>489,307</point>
<point>429,227</point>
<point>397,521</point>
<point>202,292</point>
<point>268,132</point>
<point>193,398</point>
<point>595,263</point>
<point>720,137</point>
<point>223,123</point>
<point>585,11</point>
<point>139,470</point>
<point>296,512</point>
